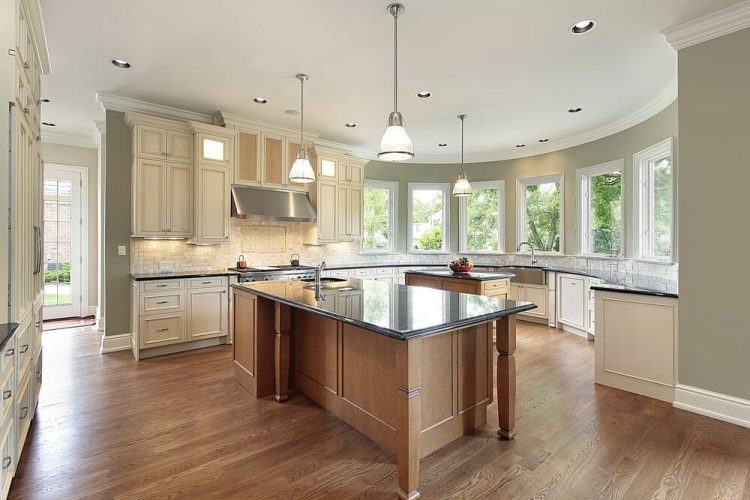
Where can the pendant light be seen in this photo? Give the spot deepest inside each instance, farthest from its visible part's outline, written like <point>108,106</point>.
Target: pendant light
<point>395,144</point>
<point>462,188</point>
<point>301,171</point>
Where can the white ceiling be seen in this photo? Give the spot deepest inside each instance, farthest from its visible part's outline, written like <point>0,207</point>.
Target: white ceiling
<point>511,65</point>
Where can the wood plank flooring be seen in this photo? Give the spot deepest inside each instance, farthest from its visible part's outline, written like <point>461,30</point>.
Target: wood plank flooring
<point>180,427</point>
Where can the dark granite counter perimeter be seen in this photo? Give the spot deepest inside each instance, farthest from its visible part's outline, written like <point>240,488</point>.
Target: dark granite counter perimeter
<point>396,311</point>
<point>6,333</point>
<point>181,274</point>
<point>472,275</point>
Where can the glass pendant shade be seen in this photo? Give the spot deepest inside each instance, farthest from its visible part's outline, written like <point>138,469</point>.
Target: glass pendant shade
<point>395,144</point>
<point>301,171</point>
<point>462,188</point>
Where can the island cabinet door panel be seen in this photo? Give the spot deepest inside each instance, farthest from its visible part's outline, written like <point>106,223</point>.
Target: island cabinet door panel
<point>317,354</point>
<point>244,339</point>
<point>438,392</point>
<point>468,286</point>
<point>474,371</point>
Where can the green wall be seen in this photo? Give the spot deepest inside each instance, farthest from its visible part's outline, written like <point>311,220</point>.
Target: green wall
<point>714,87</point>
<point>117,224</point>
<point>618,146</point>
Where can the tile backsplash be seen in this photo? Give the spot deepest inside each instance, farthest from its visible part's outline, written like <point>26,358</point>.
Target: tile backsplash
<point>271,243</point>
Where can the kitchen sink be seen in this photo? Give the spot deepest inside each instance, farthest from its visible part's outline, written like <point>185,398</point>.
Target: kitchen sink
<point>329,279</point>
<point>526,274</point>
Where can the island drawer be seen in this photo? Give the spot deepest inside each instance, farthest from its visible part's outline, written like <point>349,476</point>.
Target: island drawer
<point>495,284</point>
<point>161,285</point>
<point>207,282</point>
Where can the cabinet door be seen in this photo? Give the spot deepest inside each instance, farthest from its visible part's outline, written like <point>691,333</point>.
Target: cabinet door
<point>327,222</point>
<point>342,214</point>
<point>328,168</point>
<point>343,172</point>
<point>538,296</point>
<point>249,157</point>
<point>356,174</point>
<point>212,205</point>
<point>208,313</point>
<point>179,146</point>
<point>573,301</point>
<point>150,201</point>
<point>244,331</point>
<point>162,329</point>
<point>273,160</point>
<point>179,199</point>
<point>354,211</point>
<point>515,292</point>
<point>214,149</point>
<point>151,142</point>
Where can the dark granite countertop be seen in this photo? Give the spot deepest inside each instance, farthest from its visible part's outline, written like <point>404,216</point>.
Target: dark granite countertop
<point>396,311</point>
<point>181,274</point>
<point>6,333</point>
<point>473,275</point>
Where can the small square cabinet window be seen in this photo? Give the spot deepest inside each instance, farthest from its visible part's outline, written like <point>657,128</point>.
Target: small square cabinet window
<point>327,168</point>
<point>213,150</point>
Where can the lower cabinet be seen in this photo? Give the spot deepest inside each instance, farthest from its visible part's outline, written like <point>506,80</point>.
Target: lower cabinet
<point>538,294</point>
<point>179,314</point>
<point>575,304</point>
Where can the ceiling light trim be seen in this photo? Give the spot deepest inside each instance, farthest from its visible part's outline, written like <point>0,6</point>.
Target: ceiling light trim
<point>722,22</point>
<point>131,105</point>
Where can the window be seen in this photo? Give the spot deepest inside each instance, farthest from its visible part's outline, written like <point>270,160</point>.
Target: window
<point>381,202</point>
<point>428,217</point>
<point>600,208</point>
<point>481,217</point>
<point>539,212</point>
<point>654,201</point>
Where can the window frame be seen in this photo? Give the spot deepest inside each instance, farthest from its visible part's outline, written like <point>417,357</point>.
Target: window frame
<point>392,186</point>
<point>642,203</point>
<point>463,222</point>
<point>521,210</point>
<point>583,176</point>
<point>445,188</point>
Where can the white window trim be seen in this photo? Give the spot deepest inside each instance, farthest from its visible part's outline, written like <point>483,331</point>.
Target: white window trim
<point>582,185</point>
<point>445,188</point>
<point>392,186</point>
<point>641,222</point>
<point>463,225</point>
<point>521,209</point>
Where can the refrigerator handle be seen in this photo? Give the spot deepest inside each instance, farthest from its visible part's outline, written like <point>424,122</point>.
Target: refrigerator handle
<point>37,250</point>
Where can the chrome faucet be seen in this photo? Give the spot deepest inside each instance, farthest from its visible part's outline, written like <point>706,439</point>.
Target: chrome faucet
<point>534,260</point>
<point>318,270</point>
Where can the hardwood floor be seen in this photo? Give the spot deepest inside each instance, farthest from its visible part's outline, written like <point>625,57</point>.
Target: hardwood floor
<point>180,426</point>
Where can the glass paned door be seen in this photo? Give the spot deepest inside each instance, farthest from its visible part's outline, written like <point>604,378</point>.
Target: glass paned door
<point>62,243</point>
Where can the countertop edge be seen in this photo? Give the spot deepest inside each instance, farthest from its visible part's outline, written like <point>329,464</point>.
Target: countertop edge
<point>7,329</point>
<point>633,291</point>
<point>465,276</point>
<point>179,275</point>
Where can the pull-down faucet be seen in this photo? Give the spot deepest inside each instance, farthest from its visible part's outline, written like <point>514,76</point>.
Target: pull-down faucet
<point>534,260</point>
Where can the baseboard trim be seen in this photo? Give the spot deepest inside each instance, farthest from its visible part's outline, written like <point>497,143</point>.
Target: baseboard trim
<point>91,311</point>
<point>713,404</point>
<point>112,343</point>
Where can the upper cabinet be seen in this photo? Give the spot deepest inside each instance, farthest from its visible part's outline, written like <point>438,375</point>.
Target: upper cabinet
<point>179,146</point>
<point>247,169</point>
<point>214,149</point>
<point>273,160</point>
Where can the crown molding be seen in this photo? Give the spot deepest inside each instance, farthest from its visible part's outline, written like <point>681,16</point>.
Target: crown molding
<point>364,154</point>
<point>130,105</point>
<point>722,22</point>
<point>233,120</point>
<point>655,106</point>
<point>68,139</point>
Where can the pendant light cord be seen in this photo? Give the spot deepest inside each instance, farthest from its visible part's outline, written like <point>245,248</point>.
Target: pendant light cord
<point>301,112</point>
<point>395,62</point>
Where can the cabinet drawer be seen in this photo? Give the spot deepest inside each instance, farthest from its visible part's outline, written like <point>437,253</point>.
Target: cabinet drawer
<point>161,329</point>
<point>208,282</point>
<point>384,270</point>
<point>495,284</point>
<point>363,272</point>
<point>149,286</point>
<point>151,303</point>
<point>6,457</point>
<point>8,395</point>
<point>23,413</point>
<point>25,352</point>
<point>340,273</point>
<point>8,359</point>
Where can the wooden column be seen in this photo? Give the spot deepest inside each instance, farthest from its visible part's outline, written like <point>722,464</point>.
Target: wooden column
<point>409,418</point>
<point>281,350</point>
<point>506,376</point>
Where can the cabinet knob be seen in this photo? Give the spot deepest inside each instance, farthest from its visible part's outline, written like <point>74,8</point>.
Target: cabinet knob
<point>26,65</point>
<point>24,413</point>
<point>7,393</point>
<point>9,353</point>
<point>6,462</point>
<point>26,110</point>
<point>24,348</point>
<point>163,330</point>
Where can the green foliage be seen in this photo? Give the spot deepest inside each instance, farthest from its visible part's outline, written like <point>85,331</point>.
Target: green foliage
<point>432,239</point>
<point>606,219</point>
<point>62,274</point>
<point>423,210</point>
<point>481,213</point>
<point>543,217</point>
<point>377,226</point>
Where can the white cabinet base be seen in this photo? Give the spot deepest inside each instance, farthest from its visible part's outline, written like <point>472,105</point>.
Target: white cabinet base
<point>182,347</point>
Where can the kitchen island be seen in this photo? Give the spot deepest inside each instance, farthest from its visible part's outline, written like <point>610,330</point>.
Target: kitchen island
<point>409,367</point>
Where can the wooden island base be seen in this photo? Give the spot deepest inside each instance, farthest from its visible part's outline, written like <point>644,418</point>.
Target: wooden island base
<point>410,396</point>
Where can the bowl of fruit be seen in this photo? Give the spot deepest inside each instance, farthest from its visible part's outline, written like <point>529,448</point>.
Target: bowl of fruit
<point>462,265</point>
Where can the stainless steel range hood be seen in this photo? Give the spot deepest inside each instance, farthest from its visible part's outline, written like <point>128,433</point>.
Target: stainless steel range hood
<point>271,204</point>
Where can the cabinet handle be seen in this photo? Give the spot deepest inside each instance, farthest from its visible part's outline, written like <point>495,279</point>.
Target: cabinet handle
<point>6,462</point>
<point>24,413</point>
<point>161,286</point>
<point>163,302</point>
<point>24,348</point>
<point>163,330</point>
<point>206,283</point>
<point>26,110</point>
<point>9,353</point>
<point>7,393</point>
<point>26,65</point>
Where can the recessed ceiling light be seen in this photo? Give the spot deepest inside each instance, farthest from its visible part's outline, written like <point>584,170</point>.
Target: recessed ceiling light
<point>582,26</point>
<point>351,124</point>
<point>520,145</point>
<point>260,100</point>
<point>543,140</point>
<point>424,94</point>
<point>292,112</point>
<point>575,110</point>
<point>443,144</point>
<point>44,100</point>
<point>121,63</point>
<point>48,124</point>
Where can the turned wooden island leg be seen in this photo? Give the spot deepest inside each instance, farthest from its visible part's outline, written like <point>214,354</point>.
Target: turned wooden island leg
<point>409,419</point>
<point>281,350</point>
<point>506,376</point>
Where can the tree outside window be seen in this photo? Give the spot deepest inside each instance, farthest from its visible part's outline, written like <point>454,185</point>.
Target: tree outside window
<point>481,218</point>
<point>377,215</point>
<point>542,215</point>
<point>428,217</point>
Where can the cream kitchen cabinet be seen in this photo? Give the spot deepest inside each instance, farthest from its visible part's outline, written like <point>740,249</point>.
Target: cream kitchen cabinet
<point>325,198</point>
<point>573,301</point>
<point>175,315</point>
<point>162,199</point>
<point>538,294</point>
<point>161,143</point>
<point>349,216</point>
<point>351,171</point>
<point>328,167</point>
